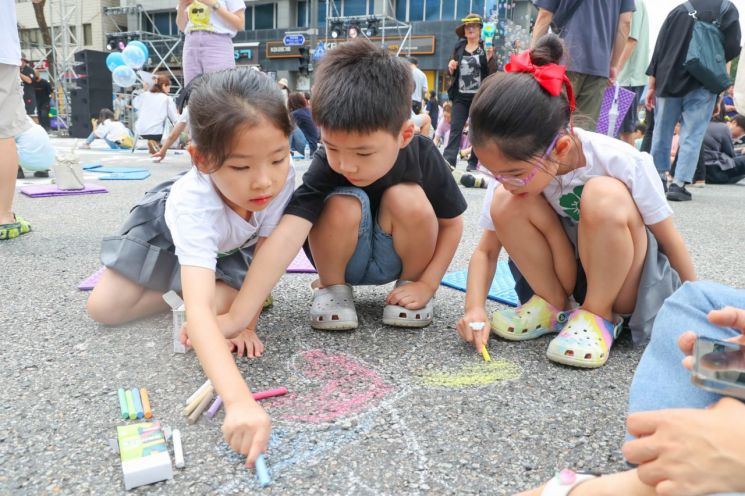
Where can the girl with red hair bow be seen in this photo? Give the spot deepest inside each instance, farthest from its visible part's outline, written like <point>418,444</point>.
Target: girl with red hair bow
<point>580,214</point>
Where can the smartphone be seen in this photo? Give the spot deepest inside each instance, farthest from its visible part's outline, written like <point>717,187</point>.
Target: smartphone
<point>719,367</point>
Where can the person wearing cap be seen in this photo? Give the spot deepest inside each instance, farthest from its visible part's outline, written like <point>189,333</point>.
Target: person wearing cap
<point>28,75</point>
<point>469,65</point>
<point>209,26</point>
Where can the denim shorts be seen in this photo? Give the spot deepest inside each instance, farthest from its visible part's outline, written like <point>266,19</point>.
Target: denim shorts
<point>374,261</point>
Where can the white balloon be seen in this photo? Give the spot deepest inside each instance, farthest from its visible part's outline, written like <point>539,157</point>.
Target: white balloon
<point>133,56</point>
<point>124,76</point>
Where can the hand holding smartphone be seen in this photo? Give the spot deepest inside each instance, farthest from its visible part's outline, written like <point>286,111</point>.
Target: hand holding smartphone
<point>719,367</point>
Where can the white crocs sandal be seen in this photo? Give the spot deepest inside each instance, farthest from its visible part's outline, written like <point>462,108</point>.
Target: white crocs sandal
<point>563,483</point>
<point>333,309</point>
<point>398,316</point>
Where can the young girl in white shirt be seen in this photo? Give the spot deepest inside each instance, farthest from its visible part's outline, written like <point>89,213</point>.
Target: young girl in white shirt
<point>155,107</point>
<point>197,235</point>
<point>109,129</point>
<point>580,214</point>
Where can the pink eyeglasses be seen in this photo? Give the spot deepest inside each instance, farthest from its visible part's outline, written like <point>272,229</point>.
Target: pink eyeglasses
<point>523,181</point>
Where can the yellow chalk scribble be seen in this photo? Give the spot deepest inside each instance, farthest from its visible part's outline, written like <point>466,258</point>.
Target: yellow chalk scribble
<point>480,374</point>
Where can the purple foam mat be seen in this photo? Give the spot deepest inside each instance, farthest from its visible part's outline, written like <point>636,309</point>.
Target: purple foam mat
<point>90,282</point>
<point>44,190</point>
<point>301,264</point>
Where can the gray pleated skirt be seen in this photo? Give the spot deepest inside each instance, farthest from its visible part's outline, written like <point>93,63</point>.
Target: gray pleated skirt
<point>658,281</point>
<point>143,250</point>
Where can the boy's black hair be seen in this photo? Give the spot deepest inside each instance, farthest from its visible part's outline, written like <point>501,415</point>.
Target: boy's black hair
<point>739,121</point>
<point>641,127</point>
<point>513,111</point>
<point>227,102</point>
<point>362,88</point>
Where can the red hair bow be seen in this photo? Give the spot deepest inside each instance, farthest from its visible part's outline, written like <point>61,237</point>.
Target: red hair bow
<point>551,77</point>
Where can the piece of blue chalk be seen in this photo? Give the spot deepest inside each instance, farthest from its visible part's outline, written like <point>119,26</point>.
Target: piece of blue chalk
<point>262,472</point>
<point>138,403</point>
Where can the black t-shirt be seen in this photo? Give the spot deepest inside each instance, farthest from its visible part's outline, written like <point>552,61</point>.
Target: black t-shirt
<point>28,88</point>
<point>671,78</point>
<point>43,89</point>
<point>420,162</point>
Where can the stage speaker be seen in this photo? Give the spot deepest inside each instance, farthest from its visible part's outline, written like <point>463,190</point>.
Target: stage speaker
<point>92,91</point>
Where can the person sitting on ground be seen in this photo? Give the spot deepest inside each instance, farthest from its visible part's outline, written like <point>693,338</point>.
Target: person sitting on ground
<point>377,205</point>
<point>301,118</point>
<point>688,441</point>
<point>422,124</point>
<point>722,164</point>
<point>109,129</point>
<point>205,226</point>
<point>737,128</point>
<point>433,108</point>
<point>154,108</point>
<point>638,135</point>
<point>581,215</point>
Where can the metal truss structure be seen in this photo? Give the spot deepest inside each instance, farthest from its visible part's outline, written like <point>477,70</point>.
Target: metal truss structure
<point>367,26</point>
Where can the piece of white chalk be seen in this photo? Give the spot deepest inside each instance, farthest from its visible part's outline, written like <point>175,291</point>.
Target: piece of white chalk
<point>199,391</point>
<point>477,326</point>
<point>178,450</point>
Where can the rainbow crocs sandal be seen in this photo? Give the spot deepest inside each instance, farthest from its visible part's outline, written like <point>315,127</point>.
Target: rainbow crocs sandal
<point>14,229</point>
<point>585,341</point>
<point>533,319</point>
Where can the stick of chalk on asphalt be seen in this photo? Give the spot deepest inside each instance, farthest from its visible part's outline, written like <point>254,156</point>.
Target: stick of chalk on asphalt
<point>123,403</point>
<point>131,405</point>
<point>479,326</point>
<point>199,391</point>
<point>146,403</point>
<point>214,407</point>
<point>178,449</point>
<point>201,407</point>
<point>262,472</point>
<point>207,393</point>
<point>138,403</point>
<point>270,394</point>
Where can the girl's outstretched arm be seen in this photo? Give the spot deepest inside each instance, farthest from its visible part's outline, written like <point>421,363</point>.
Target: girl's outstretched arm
<point>247,426</point>
<point>481,270</point>
<point>674,247</point>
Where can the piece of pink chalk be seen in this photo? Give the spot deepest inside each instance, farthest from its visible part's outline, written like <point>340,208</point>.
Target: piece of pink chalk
<point>214,407</point>
<point>269,394</point>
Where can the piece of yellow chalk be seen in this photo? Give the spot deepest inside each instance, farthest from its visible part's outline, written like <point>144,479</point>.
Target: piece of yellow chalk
<point>146,403</point>
<point>191,406</point>
<point>485,354</point>
<point>201,407</point>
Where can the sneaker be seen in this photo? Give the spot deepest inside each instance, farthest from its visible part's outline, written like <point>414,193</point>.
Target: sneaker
<point>20,174</point>
<point>41,174</point>
<point>471,181</point>
<point>678,193</point>
<point>698,184</point>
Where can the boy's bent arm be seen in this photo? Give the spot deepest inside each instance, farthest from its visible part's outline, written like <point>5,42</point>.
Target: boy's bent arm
<point>674,247</point>
<point>265,270</point>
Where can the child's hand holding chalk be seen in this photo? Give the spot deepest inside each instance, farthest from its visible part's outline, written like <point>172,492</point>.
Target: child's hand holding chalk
<point>474,328</point>
<point>246,428</point>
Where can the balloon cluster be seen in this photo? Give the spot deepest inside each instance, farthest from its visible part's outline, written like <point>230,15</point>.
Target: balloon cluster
<point>123,64</point>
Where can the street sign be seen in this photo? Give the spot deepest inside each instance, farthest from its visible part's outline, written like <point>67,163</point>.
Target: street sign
<point>320,51</point>
<point>294,40</point>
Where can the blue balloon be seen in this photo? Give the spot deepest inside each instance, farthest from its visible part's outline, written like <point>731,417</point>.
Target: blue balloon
<point>133,56</point>
<point>124,76</point>
<point>114,60</point>
<point>142,47</point>
<point>35,151</point>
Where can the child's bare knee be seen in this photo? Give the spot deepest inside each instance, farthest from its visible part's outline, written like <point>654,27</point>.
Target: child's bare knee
<point>341,211</point>
<point>102,311</point>
<point>604,200</point>
<point>407,202</point>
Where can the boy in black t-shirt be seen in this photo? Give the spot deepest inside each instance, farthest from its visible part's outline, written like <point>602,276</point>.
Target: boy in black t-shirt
<point>378,204</point>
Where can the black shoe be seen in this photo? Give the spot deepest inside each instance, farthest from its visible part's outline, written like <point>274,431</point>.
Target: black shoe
<point>471,168</point>
<point>678,193</point>
<point>41,174</point>
<point>20,174</point>
<point>471,181</point>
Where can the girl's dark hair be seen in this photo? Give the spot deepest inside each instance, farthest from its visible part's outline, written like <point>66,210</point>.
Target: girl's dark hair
<point>105,114</point>
<point>515,112</point>
<point>160,83</point>
<point>296,100</point>
<point>227,102</point>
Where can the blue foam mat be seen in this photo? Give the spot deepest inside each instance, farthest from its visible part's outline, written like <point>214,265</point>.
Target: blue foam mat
<point>502,287</point>
<point>112,170</point>
<point>127,176</point>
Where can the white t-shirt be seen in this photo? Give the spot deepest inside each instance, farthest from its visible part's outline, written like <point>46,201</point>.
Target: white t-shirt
<point>605,156</point>
<point>203,226</point>
<point>420,84</point>
<point>112,130</point>
<point>152,111</point>
<point>203,18</point>
<point>10,45</point>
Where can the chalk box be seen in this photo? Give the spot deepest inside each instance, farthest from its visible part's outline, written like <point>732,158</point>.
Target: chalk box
<point>179,317</point>
<point>144,454</point>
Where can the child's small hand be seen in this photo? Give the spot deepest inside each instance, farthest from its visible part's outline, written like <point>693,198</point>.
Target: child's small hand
<point>477,338</point>
<point>246,343</point>
<point>159,155</point>
<point>413,295</point>
<point>246,429</point>
<point>184,337</point>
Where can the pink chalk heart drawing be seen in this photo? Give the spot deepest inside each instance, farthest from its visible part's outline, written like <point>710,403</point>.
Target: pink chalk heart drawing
<point>339,386</point>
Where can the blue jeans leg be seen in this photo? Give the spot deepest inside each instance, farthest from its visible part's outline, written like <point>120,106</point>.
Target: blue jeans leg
<point>91,138</point>
<point>660,381</point>
<point>697,108</point>
<point>298,141</point>
<point>666,114</point>
<point>112,144</point>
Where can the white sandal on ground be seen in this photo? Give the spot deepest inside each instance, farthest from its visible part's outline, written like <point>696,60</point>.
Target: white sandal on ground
<point>398,316</point>
<point>563,483</point>
<point>333,308</point>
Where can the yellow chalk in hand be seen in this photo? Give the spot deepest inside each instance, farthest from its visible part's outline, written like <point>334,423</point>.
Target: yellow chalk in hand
<point>485,354</point>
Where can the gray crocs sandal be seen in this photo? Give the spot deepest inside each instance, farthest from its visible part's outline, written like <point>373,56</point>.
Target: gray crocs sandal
<point>333,309</point>
<point>398,316</point>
